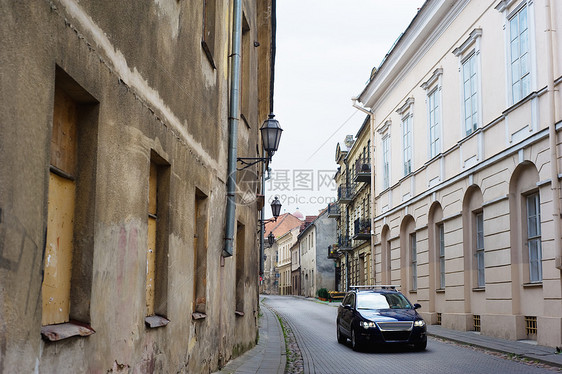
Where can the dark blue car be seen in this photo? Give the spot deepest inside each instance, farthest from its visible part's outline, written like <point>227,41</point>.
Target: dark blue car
<point>379,315</point>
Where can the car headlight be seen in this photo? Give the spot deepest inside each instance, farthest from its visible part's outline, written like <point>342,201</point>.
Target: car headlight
<point>419,323</point>
<point>367,324</point>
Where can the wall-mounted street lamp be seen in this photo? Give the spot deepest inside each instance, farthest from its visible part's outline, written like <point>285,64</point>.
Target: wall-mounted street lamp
<point>275,211</point>
<point>270,136</point>
<point>270,239</point>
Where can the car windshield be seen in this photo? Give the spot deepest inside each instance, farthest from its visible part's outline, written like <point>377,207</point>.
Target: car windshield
<point>382,301</point>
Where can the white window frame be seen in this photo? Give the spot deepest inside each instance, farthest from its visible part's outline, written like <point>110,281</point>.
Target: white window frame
<point>479,250</point>
<point>470,79</point>
<point>441,231</point>
<point>434,113</point>
<point>407,143</point>
<point>386,161</point>
<point>434,123</point>
<point>533,218</point>
<point>407,128</point>
<point>469,52</point>
<point>413,262</point>
<point>516,41</point>
<point>511,10</point>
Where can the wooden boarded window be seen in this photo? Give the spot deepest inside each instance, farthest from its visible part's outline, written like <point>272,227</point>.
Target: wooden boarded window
<point>200,254</point>
<point>240,268</point>
<point>157,248</point>
<point>151,250</point>
<point>245,72</point>
<point>60,212</point>
<point>208,39</point>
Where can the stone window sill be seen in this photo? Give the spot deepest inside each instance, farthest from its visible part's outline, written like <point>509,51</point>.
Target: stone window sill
<point>478,289</point>
<point>238,313</point>
<point>440,290</point>
<point>54,333</point>
<point>531,285</point>
<point>155,321</point>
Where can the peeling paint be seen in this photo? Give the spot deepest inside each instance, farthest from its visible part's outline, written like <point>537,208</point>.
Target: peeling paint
<point>134,79</point>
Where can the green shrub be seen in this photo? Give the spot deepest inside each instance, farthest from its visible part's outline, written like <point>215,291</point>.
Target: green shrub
<point>322,292</point>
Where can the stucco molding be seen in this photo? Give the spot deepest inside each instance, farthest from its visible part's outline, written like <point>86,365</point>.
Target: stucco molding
<point>472,38</point>
<point>406,106</point>
<point>432,79</point>
<point>384,128</point>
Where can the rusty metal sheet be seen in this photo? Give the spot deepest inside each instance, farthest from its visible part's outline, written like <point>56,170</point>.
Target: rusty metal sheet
<point>61,331</point>
<point>156,321</point>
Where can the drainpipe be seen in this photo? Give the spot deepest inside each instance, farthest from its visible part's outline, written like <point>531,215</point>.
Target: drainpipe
<point>372,205</point>
<point>271,81</point>
<point>233,119</point>
<point>552,136</point>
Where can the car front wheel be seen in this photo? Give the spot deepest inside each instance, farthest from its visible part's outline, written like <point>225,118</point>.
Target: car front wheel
<point>354,342</point>
<point>341,338</point>
<point>420,346</point>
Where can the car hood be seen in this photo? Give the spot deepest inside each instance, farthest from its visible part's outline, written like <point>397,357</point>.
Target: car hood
<point>389,315</point>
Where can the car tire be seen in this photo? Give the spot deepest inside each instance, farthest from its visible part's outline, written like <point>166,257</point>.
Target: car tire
<point>420,346</point>
<point>341,338</point>
<point>354,342</point>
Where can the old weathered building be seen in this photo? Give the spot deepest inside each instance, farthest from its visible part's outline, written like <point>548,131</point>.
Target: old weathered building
<point>466,118</point>
<point>113,185</point>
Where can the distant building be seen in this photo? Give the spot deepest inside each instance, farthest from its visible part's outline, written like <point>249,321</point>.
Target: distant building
<point>317,269</point>
<point>270,279</point>
<point>296,269</point>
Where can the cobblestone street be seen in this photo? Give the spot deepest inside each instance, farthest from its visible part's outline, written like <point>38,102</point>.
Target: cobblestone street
<point>313,325</point>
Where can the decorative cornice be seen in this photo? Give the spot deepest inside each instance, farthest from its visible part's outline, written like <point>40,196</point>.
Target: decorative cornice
<point>474,35</point>
<point>385,127</point>
<point>436,74</point>
<point>409,102</point>
<point>504,4</point>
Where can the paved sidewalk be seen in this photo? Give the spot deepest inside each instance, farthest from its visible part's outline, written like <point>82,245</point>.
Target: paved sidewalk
<point>531,351</point>
<point>268,356</point>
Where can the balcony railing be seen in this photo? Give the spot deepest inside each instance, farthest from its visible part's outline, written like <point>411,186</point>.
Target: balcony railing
<point>334,210</point>
<point>362,229</point>
<point>345,193</point>
<point>362,170</point>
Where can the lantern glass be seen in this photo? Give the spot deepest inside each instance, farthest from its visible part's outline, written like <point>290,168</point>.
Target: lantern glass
<point>276,207</point>
<point>271,135</point>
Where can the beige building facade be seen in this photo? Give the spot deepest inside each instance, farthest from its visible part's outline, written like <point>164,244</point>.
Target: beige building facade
<point>284,245</point>
<point>465,113</point>
<point>113,185</point>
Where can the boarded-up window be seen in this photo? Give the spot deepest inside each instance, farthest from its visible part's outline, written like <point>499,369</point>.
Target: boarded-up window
<point>208,39</point>
<point>200,253</point>
<point>157,239</point>
<point>60,224</point>
<point>240,268</point>
<point>151,250</point>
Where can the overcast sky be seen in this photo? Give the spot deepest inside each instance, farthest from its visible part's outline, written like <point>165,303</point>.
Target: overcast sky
<point>325,52</point>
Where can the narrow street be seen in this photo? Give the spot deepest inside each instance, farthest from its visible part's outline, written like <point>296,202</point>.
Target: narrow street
<point>313,325</point>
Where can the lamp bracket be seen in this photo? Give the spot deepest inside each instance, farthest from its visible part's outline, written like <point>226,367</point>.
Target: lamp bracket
<point>249,161</point>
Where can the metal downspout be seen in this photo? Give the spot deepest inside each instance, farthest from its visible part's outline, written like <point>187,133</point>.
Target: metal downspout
<point>233,119</point>
<point>271,90</point>
<point>555,183</point>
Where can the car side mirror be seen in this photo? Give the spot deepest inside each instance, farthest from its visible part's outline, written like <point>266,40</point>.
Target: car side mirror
<point>417,306</point>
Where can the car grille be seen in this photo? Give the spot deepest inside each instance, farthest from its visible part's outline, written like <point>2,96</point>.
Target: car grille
<point>395,326</point>
<point>396,336</point>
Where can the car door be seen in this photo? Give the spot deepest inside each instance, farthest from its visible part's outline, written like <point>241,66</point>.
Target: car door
<point>348,305</point>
